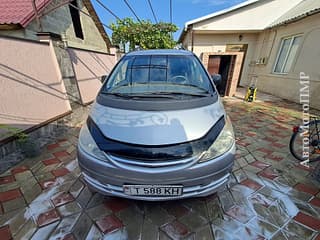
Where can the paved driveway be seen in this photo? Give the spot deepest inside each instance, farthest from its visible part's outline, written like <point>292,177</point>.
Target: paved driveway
<point>269,195</point>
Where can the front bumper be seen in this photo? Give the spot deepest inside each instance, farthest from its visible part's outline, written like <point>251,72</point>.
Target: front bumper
<point>198,179</point>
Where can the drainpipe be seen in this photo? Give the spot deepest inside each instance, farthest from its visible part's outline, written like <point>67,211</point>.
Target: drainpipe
<point>192,39</point>
<point>34,6</point>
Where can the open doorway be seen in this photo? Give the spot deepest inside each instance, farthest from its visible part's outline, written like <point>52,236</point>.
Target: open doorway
<point>221,65</point>
<point>228,65</point>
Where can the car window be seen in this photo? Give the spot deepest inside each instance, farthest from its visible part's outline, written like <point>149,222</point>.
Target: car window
<point>159,73</point>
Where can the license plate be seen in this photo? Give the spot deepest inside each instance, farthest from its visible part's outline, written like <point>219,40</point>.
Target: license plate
<point>152,190</point>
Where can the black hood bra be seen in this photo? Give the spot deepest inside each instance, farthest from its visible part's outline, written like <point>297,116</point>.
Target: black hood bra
<point>158,152</point>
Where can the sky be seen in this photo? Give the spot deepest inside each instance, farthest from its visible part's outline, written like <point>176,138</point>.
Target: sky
<point>182,10</point>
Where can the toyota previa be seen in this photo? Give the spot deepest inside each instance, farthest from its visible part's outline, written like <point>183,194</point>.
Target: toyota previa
<point>157,130</point>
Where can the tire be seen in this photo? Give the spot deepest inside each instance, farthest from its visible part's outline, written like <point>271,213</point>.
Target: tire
<point>313,156</point>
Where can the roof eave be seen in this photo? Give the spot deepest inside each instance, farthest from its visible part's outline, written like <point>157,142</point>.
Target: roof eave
<point>220,13</point>
<point>98,23</point>
<point>295,19</point>
<point>10,26</point>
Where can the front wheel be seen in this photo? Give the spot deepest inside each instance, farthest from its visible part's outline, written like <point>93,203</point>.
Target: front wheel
<point>305,142</point>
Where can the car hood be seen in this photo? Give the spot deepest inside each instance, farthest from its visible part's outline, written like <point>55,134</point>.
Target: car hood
<point>156,127</point>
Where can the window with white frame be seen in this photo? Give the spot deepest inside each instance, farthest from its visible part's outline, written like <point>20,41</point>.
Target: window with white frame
<point>287,53</point>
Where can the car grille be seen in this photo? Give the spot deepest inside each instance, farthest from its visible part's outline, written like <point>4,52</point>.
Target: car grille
<point>169,163</point>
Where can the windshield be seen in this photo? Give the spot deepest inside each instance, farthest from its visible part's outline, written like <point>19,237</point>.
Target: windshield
<point>160,74</point>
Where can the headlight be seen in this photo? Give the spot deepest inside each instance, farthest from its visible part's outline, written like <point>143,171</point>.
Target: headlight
<point>222,144</point>
<point>87,143</point>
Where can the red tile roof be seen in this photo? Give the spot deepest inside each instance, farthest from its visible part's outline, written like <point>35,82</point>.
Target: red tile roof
<point>19,11</point>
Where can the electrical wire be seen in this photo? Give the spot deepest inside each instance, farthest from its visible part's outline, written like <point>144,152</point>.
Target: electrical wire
<point>134,13</point>
<point>170,11</point>
<point>73,6</point>
<point>106,8</point>
<point>153,13</point>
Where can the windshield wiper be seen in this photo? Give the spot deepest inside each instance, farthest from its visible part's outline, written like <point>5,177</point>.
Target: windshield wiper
<point>140,95</point>
<point>196,94</point>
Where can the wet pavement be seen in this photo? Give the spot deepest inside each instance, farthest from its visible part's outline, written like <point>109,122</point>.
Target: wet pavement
<point>270,196</point>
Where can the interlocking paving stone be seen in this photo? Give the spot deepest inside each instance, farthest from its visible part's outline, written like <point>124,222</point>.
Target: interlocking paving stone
<point>61,154</point>
<point>69,209</point>
<point>53,146</point>
<point>76,188</point>
<point>82,226</point>
<point>17,221</point>
<point>84,197</point>
<point>280,198</point>
<point>280,236</point>
<point>131,216</point>
<point>51,161</point>
<point>157,215</point>
<point>8,186</point>
<point>116,204</point>
<point>149,230</point>
<point>19,169</point>
<point>31,192</point>
<point>14,204</point>
<point>176,230</point>
<point>252,184</point>
<point>307,220</point>
<point>98,212</point>
<point>45,177</point>
<point>263,228</point>
<point>220,234</point>
<point>241,213</point>
<point>300,195</point>
<point>120,234</point>
<point>307,189</point>
<point>48,217</point>
<point>27,230</point>
<point>259,164</point>
<point>247,233</point>
<point>227,224</point>
<point>6,179</point>
<point>315,202</point>
<point>96,199</point>
<point>297,230</point>
<point>44,232</point>
<point>263,200</point>
<point>252,168</point>
<point>306,208</point>
<point>226,200</point>
<point>93,234</point>
<point>61,199</point>
<point>109,224</point>
<point>194,221</point>
<point>176,209</point>
<point>240,175</point>
<point>65,227</point>
<point>10,195</point>
<point>5,233</point>
<point>23,176</point>
<point>48,183</point>
<point>214,209</point>
<point>204,233</point>
<point>60,172</point>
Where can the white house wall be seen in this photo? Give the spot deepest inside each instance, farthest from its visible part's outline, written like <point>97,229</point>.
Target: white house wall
<point>256,16</point>
<point>217,42</point>
<point>307,61</point>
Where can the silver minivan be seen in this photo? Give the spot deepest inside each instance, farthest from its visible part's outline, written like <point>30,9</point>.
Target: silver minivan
<point>157,130</point>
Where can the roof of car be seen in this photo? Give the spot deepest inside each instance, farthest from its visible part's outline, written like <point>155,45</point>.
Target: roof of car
<point>160,52</point>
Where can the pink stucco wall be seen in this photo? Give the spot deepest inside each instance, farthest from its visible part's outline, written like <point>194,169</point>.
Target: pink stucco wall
<point>31,87</point>
<point>89,67</point>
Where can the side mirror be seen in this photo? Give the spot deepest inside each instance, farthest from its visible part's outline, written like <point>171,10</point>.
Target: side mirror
<point>104,78</point>
<point>217,79</point>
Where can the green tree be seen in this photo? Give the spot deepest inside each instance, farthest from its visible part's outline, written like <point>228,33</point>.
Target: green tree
<point>144,34</point>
